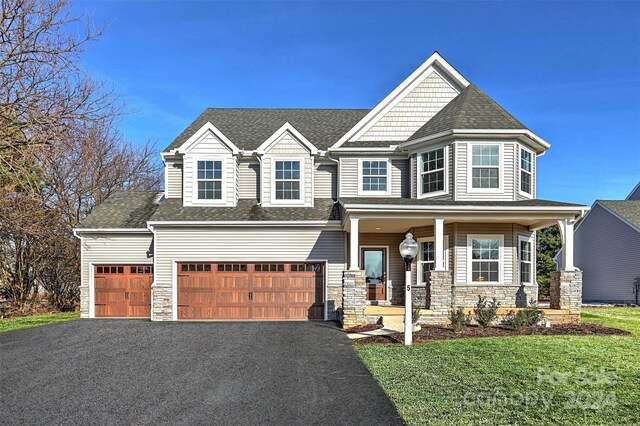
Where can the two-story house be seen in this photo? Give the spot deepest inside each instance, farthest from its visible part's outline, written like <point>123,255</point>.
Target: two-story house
<point>298,213</point>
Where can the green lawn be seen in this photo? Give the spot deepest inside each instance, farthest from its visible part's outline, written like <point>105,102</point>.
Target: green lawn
<point>17,323</point>
<point>517,380</point>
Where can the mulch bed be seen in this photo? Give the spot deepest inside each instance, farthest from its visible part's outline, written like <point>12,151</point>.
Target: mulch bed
<point>436,332</point>
<point>363,328</point>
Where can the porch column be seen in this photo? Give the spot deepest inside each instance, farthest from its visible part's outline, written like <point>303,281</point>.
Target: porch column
<point>566,231</point>
<point>353,244</point>
<point>438,231</point>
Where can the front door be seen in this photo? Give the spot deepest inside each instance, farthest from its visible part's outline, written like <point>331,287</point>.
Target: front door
<point>374,263</point>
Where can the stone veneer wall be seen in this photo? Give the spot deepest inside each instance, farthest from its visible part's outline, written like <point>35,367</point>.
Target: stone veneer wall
<point>566,291</point>
<point>509,296</point>
<point>161,304</point>
<point>334,303</point>
<point>84,301</point>
<point>354,297</point>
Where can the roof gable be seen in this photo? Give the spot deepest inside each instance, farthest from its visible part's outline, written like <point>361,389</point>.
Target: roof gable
<point>635,193</point>
<point>434,64</point>
<point>202,132</point>
<point>278,134</point>
<point>626,210</point>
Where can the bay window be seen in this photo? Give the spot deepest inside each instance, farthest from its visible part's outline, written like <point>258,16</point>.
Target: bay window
<point>432,172</point>
<point>485,258</point>
<point>526,261</point>
<point>485,167</point>
<point>526,171</point>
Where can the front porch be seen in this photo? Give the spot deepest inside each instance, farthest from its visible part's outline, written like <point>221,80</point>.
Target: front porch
<point>461,257</point>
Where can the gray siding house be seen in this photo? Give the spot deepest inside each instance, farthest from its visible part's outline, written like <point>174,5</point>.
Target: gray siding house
<point>271,214</point>
<point>607,249</point>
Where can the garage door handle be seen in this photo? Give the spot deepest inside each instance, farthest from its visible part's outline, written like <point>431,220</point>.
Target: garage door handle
<point>250,295</point>
<point>126,295</point>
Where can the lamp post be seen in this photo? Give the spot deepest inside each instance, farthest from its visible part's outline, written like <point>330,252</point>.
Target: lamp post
<point>408,251</point>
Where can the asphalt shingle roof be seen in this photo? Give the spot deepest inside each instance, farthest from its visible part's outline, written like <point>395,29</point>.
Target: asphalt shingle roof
<point>627,209</point>
<point>471,109</point>
<point>248,128</point>
<point>123,209</point>
<point>246,210</point>
<point>429,202</point>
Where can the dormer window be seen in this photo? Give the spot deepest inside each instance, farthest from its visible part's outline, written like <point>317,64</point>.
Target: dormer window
<point>432,173</point>
<point>485,167</point>
<point>287,180</point>
<point>209,179</point>
<point>374,177</point>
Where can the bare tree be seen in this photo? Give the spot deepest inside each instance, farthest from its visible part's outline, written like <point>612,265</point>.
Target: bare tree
<point>60,151</point>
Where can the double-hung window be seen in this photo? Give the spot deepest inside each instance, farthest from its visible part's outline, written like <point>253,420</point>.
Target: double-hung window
<point>432,171</point>
<point>526,261</point>
<point>526,167</point>
<point>209,179</point>
<point>374,176</point>
<point>485,167</point>
<point>485,258</point>
<point>287,180</point>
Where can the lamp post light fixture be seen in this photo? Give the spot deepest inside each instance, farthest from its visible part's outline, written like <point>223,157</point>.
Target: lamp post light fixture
<point>408,251</point>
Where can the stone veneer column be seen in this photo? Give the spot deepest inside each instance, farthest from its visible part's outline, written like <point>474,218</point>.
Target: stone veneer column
<point>440,283</point>
<point>566,291</point>
<point>354,295</point>
<point>161,304</point>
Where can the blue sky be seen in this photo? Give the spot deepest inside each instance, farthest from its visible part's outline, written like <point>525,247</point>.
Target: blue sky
<point>569,71</point>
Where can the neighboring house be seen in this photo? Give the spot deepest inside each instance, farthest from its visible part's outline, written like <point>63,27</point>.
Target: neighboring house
<point>607,249</point>
<point>298,213</point>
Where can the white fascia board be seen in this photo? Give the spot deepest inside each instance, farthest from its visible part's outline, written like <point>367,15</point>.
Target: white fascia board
<point>614,213</point>
<point>400,90</point>
<point>501,132</point>
<point>208,127</point>
<point>392,148</point>
<point>467,208</point>
<point>78,231</point>
<point>291,224</point>
<point>286,127</point>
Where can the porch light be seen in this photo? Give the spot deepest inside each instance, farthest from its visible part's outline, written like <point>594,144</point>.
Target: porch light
<point>408,251</point>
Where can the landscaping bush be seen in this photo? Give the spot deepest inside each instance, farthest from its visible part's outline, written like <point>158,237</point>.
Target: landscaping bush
<point>415,315</point>
<point>459,320</point>
<point>485,311</point>
<point>527,317</point>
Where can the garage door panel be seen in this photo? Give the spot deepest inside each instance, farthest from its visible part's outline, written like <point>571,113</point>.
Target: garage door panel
<point>259,291</point>
<point>122,290</point>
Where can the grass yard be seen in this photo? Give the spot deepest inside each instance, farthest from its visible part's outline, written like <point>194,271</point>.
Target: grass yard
<point>18,323</point>
<point>517,380</point>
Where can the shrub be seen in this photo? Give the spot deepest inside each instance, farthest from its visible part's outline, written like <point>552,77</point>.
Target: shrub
<point>415,315</point>
<point>485,311</point>
<point>459,320</point>
<point>527,317</point>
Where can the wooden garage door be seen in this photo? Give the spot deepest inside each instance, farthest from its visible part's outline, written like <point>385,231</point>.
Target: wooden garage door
<point>256,291</point>
<point>123,290</point>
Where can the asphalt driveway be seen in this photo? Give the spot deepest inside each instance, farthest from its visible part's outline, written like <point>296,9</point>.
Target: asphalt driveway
<point>139,372</point>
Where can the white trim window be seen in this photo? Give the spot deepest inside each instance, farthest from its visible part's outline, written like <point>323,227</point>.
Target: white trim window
<point>427,257</point>
<point>526,172</point>
<point>374,177</point>
<point>209,180</point>
<point>432,168</point>
<point>288,181</point>
<point>525,254</point>
<point>485,167</point>
<point>485,258</point>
